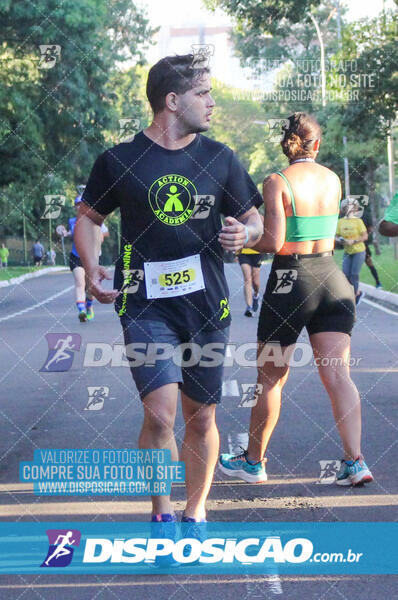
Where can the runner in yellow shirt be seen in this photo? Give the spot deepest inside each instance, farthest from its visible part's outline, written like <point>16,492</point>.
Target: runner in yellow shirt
<point>352,232</point>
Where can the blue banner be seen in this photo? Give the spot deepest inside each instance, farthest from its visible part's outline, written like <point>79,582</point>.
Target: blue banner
<point>187,548</point>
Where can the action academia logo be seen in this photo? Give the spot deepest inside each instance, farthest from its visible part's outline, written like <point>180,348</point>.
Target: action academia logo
<point>60,550</point>
<point>172,199</point>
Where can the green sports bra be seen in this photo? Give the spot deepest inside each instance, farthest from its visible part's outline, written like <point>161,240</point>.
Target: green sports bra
<point>304,229</point>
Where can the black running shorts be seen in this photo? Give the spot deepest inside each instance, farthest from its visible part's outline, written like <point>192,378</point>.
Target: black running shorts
<point>254,260</point>
<point>74,261</point>
<point>305,292</point>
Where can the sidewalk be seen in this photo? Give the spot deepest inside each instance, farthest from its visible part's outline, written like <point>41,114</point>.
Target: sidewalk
<point>21,278</point>
<point>379,295</point>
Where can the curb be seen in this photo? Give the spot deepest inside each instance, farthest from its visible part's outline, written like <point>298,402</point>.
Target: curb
<point>380,295</point>
<point>21,278</point>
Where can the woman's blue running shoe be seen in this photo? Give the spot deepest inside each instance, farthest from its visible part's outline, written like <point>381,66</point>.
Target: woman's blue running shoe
<point>238,466</point>
<point>354,472</point>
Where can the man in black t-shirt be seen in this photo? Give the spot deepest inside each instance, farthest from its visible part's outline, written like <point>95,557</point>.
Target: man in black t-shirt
<point>172,185</point>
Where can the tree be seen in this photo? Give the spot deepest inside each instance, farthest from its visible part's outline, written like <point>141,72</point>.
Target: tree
<point>269,16</point>
<point>240,122</point>
<point>54,120</point>
<point>372,43</point>
<point>361,99</point>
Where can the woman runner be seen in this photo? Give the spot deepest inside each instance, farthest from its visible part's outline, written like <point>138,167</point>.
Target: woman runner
<point>305,289</point>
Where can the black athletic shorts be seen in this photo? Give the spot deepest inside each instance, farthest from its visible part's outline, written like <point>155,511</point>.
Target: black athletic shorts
<point>308,292</point>
<point>158,355</point>
<point>74,261</point>
<point>254,260</point>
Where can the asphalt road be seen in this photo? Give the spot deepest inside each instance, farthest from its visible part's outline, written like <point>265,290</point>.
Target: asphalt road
<point>47,410</point>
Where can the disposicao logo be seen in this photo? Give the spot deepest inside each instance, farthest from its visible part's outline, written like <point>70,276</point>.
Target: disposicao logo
<point>60,551</point>
<point>61,351</point>
<point>189,550</point>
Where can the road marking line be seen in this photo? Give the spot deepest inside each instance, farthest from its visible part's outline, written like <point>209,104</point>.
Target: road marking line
<point>230,388</point>
<point>273,581</point>
<point>386,310</point>
<point>42,303</point>
<point>193,580</point>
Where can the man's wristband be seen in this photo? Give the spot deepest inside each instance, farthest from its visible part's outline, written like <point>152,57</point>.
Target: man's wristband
<point>247,235</point>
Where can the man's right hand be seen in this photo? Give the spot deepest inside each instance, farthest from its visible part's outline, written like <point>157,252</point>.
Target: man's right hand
<point>95,278</point>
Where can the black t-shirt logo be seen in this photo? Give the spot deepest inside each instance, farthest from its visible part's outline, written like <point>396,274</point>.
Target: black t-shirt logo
<point>172,199</point>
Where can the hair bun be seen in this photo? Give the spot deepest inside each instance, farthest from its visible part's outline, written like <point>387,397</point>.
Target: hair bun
<point>300,135</point>
<point>293,144</point>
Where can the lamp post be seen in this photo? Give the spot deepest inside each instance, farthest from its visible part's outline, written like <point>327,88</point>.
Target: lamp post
<point>346,171</point>
<point>390,154</point>
<point>345,159</point>
<point>323,84</point>
<point>323,75</point>
<point>25,252</point>
<point>391,177</point>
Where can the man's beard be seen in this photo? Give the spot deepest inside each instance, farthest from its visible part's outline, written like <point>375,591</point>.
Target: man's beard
<point>187,128</point>
<point>200,129</point>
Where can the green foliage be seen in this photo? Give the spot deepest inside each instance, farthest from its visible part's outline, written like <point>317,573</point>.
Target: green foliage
<point>291,41</point>
<point>385,264</point>
<point>365,121</point>
<point>373,44</point>
<point>266,15</point>
<point>54,122</point>
<point>281,32</point>
<point>240,122</point>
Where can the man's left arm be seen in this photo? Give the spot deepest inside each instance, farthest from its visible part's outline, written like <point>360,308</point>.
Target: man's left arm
<point>388,228</point>
<point>245,231</point>
<point>389,224</point>
<point>242,225</point>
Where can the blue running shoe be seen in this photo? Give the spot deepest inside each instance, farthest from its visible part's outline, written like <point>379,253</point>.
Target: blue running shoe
<point>239,466</point>
<point>354,472</point>
<point>193,528</point>
<point>164,518</point>
<point>165,526</point>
